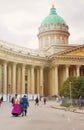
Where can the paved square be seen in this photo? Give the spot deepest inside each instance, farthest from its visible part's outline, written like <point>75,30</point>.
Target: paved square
<point>42,117</point>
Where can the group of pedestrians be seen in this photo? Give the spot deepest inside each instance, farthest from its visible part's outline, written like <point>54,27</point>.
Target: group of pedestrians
<point>37,100</point>
<point>20,105</point>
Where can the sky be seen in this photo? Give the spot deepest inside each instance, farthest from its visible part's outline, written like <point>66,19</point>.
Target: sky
<point>20,20</point>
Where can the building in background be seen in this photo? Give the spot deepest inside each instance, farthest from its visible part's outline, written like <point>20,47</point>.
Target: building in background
<point>41,71</point>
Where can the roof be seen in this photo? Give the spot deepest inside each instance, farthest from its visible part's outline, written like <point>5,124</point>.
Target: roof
<point>53,18</point>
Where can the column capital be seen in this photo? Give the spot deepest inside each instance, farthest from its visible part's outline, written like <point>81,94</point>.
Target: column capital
<point>42,66</point>
<point>57,65</point>
<point>14,63</point>
<point>4,63</point>
<point>23,65</point>
<point>78,66</point>
<point>67,65</point>
<point>32,66</point>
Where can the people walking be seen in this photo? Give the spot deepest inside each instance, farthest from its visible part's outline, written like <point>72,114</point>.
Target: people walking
<point>37,101</point>
<point>13,101</point>
<point>24,105</point>
<point>80,102</point>
<point>44,100</point>
<point>16,110</point>
<point>2,99</point>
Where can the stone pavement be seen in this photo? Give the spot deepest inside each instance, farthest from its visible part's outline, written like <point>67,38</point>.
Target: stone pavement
<point>42,117</point>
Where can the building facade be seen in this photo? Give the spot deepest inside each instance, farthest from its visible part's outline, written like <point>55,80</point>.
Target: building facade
<point>41,71</point>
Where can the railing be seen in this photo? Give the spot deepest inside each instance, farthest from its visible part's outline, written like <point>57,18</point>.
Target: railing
<point>75,102</point>
<point>22,50</point>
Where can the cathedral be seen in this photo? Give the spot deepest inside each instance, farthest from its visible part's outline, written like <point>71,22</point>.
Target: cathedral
<point>41,71</point>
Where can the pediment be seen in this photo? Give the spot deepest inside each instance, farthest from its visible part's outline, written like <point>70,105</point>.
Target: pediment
<point>76,51</point>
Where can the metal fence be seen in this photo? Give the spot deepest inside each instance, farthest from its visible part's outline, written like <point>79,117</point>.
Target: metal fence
<point>73,102</point>
<point>68,102</point>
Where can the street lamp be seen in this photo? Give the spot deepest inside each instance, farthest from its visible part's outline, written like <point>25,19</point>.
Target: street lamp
<point>70,94</point>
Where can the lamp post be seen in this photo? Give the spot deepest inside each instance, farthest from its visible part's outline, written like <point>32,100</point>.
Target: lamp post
<point>70,94</point>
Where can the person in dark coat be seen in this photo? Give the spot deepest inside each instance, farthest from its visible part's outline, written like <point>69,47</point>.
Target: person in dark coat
<point>24,105</point>
<point>13,101</point>
<point>44,100</point>
<point>2,99</point>
<point>37,101</point>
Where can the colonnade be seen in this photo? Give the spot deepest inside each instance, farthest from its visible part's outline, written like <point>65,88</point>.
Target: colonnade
<point>59,73</point>
<point>20,79</point>
<point>30,79</point>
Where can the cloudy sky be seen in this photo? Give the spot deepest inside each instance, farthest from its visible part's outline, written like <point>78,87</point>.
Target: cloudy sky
<point>20,19</point>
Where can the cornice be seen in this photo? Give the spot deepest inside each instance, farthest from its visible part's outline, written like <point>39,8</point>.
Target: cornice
<point>71,49</point>
<point>67,60</point>
<point>10,56</point>
<point>70,57</point>
<point>19,54</point>
<point>23,51</point>
<point>60,32</point>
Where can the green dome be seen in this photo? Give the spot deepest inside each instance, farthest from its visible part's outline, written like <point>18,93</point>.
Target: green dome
<point>53,18</point>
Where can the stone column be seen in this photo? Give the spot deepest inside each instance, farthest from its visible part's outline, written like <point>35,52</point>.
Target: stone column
<point>23,79</point>
<point>29,81</point>
<point>50,81</point>
<point>1,79</point>
<point>18,89</point>
<point>14,79</point>
<point>38,79</point>
<point>9,79</point>
<point>32,79</point>
<point>5,78</point>
<point>78,70</point>
<point>41,81</point>
<point>53,81</point>
<point>67,71</point>
<point>56,80</point>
